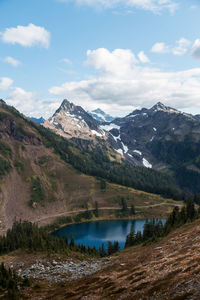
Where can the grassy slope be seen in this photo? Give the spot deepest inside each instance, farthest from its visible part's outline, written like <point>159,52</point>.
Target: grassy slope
<point>63,188</point>
<point>167,270</point>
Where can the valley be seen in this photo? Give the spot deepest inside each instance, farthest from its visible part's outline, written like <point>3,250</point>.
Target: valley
<point>43,180</point>
<point>53,181</point>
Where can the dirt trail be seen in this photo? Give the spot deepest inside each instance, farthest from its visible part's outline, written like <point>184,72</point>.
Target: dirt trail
<point>101,208</point>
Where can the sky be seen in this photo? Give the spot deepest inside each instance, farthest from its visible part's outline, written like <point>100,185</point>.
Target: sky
<point>117,55</point>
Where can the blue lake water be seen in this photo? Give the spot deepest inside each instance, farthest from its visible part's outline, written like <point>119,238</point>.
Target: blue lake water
<point>96,233</point>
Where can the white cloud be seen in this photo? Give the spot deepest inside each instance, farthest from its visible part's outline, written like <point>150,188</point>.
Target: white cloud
<point>67,61</point>
<point>160,48</point>
<point>12,61</point>
<point>20,97</point>
<point>5,83</point>
<point>181,47</point>
<point>118,62</point>
<point>30,103</point>
<point>135,86</point>
<point>27,36</point>
<point>196,49</point>
<point>155,6</point>
<point>143,57</point>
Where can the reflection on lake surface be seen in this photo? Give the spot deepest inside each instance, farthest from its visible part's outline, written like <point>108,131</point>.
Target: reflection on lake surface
<point>95,233</point>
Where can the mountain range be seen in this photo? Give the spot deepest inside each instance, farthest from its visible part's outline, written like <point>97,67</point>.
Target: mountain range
<point>40,120</point>
<point>160,138</point>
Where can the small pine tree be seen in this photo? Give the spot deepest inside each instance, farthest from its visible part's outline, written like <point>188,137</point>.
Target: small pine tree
<point>116,246</point>
<point>110,248</point>
<point>71,241</point>
<point>103,184</point>
<point>124,205</point>
<point>96,210</point>
<point>132,211</point>
<point>190,210</point>
<point>102,250</point>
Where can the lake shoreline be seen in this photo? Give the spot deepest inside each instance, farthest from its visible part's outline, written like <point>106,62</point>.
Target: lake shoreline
<point>98,232</point>
<point>107,218</point>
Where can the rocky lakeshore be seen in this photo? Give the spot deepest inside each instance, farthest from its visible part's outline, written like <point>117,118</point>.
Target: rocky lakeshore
<point>59,271</point>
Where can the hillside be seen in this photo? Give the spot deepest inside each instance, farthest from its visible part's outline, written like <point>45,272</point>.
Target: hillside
<point>167,270</point>
<point>39,180</point>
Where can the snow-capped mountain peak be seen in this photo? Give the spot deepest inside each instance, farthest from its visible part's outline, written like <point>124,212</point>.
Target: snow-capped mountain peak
<point>70,121</point>
<point>100,115</point>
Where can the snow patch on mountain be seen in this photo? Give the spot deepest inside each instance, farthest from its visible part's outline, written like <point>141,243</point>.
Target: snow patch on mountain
<point>138,152</point>
<point>116,138</point>
<point>97,133</point>
<point>120,151</point>
<point>110,127</point>
<point>125,148</point>
<point>146,163</point>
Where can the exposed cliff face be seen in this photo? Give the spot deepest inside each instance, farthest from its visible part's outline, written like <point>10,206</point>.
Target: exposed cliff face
<point>11,130</point>
<point>73,121</point>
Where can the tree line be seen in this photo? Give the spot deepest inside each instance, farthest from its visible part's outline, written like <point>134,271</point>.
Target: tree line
<point>28,236</point>
<point>155,229</point>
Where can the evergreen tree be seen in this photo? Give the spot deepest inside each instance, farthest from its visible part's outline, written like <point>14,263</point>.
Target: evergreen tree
<point>138,237</point>
<point>130,239</point>
<point>116,246</point>
<point>190,210</point>
<point>154,229</point>
<point>96,211</point>
<point>124,205</point>
<point>71,241</point>
<point>110,248</point>
<point>103,184</point>
<point>66,241</point>
<point>102,251</point>
<point>132,211</point>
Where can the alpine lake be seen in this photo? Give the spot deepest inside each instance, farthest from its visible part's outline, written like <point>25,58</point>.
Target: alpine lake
<point>94,234</point>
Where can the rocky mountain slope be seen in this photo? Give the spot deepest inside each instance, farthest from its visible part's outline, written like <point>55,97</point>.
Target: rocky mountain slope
<point>73,121</point>
<point>159,138</point>
<point>138,135</point>
<point>135,137</point>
